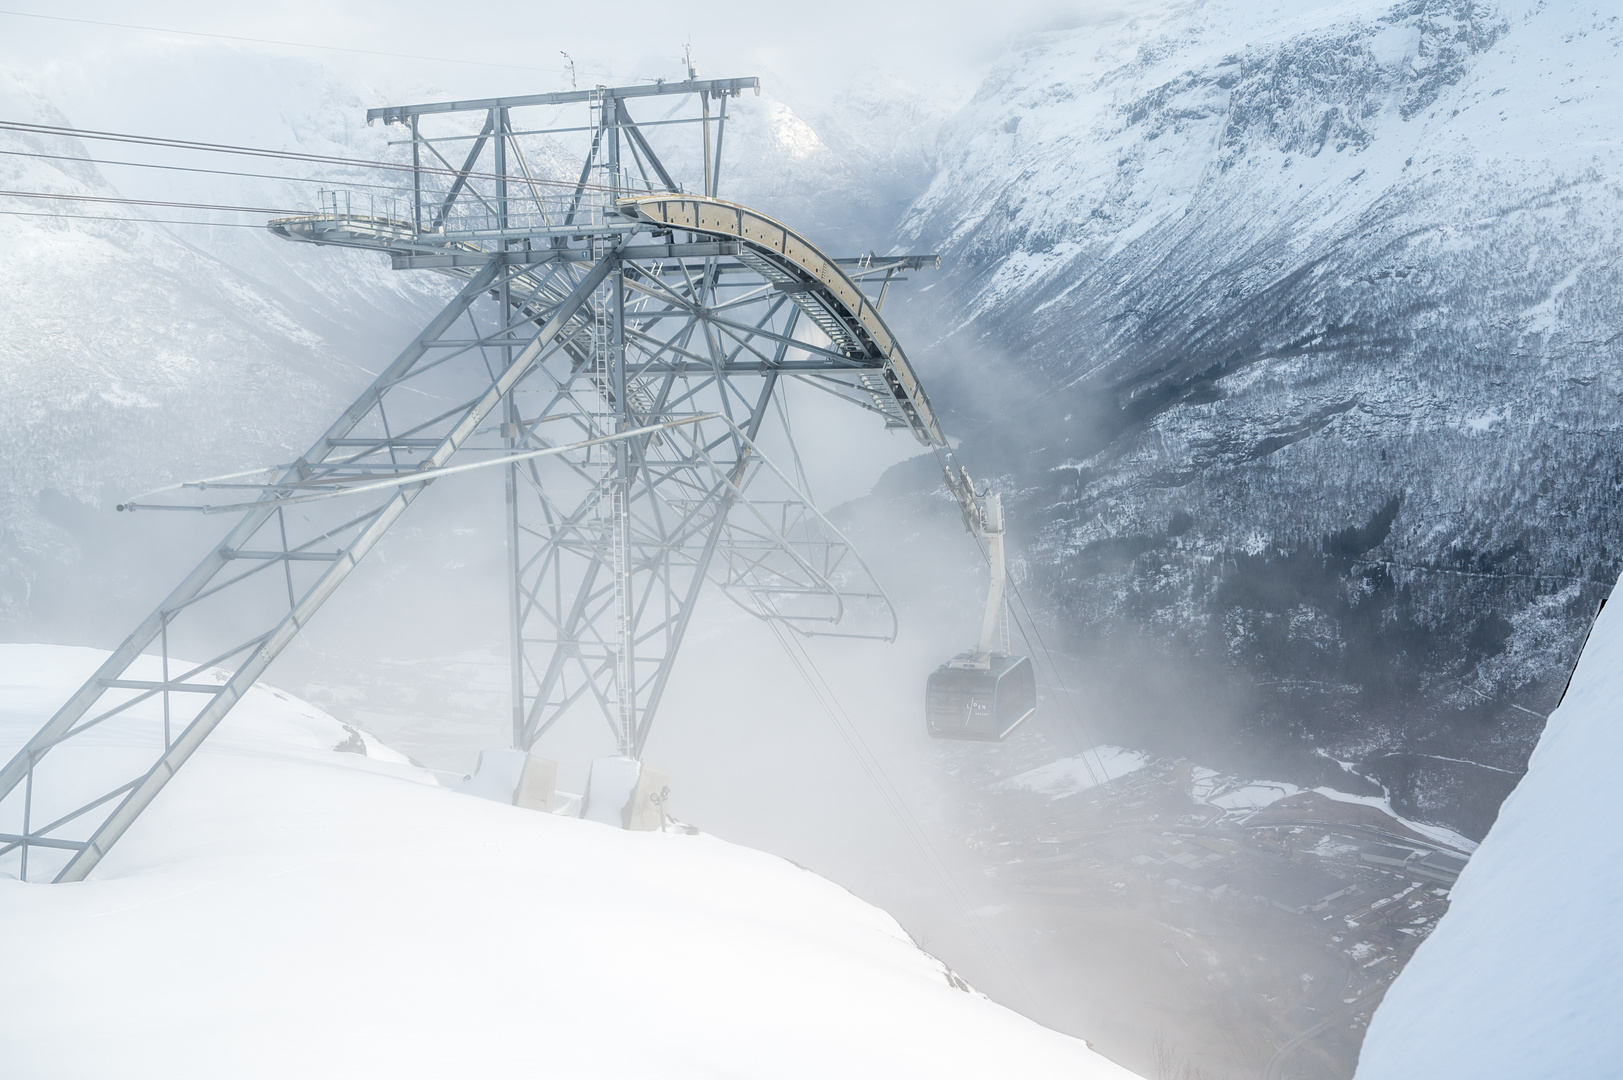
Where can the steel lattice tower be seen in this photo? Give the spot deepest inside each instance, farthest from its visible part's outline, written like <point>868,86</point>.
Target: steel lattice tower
<point>615,349</point>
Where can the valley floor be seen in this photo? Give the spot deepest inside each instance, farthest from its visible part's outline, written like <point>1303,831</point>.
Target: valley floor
<point>1244,941</point>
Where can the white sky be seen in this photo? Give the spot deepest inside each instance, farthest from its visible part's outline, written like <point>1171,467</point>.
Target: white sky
<point>812,50</point>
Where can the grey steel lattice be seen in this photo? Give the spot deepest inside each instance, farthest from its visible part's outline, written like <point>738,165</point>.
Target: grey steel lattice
<point>615,349</point>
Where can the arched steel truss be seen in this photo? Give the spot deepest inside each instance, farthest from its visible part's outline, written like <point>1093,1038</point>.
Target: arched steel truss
<point>616,349</point>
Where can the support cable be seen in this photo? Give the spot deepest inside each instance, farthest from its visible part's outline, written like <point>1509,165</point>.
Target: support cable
<point>892,798</point>
<point>375,482</point>
<point>279,155</point>
<point>1054,678</point>
<point>194,169</point>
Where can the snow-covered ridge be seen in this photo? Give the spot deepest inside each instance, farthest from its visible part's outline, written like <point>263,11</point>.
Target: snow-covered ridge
<point>1303,115</point>
<point>1522,976</point>
<point>286,908</point>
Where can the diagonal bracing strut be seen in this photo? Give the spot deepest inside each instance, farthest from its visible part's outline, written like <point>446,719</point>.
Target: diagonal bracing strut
<point>268,646</point>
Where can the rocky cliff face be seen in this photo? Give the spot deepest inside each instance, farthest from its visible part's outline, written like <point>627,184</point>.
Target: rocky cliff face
<point>1303,330</point>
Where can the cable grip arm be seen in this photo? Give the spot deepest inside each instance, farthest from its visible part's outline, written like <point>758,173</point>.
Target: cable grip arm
<point>983,516</point>
<point>991,507</point>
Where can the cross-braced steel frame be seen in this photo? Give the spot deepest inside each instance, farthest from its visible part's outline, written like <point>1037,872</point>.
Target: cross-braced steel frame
<point>617,349</point>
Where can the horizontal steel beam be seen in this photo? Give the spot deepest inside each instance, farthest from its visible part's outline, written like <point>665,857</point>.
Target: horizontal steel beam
<point>33,840</point>
<point>395,114</point>
<point>175,687</point>
<point>384,443</point>
<point>645,253</point>
<point>631,252</point>
<point>737,367</point>
<point>887,262</point>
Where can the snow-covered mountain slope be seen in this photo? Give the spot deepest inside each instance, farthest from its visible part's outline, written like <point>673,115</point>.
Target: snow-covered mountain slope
<point>232,97</point>
<point>1521,978</point>
<point>1299,326</point>
<point>284,909</point>
<point>135,355</point>
<point>842,172</point>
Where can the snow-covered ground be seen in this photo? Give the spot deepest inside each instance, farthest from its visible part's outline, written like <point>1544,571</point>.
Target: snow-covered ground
<point>1071,775</point>
<point>284,909</point>
<point>1231,794</point>
<point>1243,798</point>
<point>1524,975</point>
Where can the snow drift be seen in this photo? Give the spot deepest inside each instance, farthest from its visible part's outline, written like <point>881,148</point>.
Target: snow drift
<point>289,909</point>
<point>1521,977</point>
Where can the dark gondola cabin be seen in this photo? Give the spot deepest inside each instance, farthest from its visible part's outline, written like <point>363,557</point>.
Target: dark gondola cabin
<point>983,702</point>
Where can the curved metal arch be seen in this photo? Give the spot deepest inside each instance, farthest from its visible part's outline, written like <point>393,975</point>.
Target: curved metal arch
<point>815,282</point>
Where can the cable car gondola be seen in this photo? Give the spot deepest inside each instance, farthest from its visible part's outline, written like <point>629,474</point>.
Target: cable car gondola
<point>983,703</point>
<point>986,693</point>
